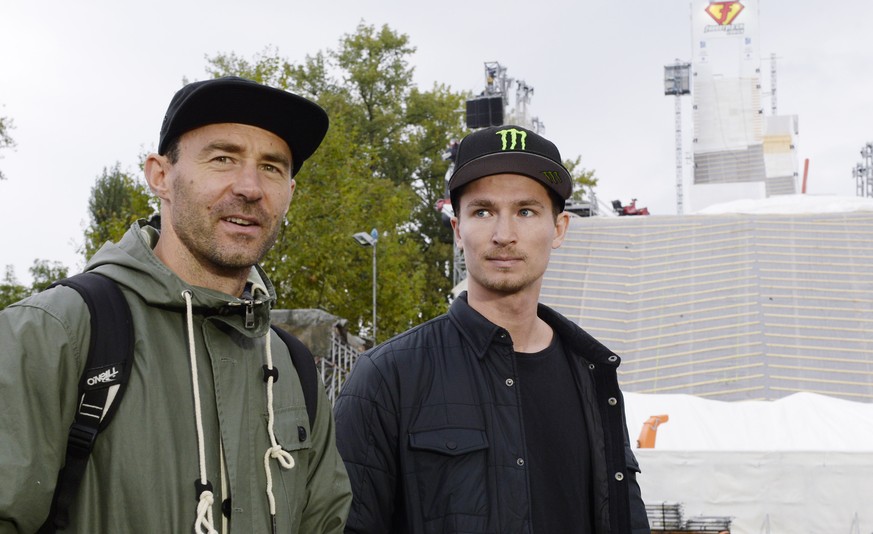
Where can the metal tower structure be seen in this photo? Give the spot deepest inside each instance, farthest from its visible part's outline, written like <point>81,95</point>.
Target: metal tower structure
<point>523,94</point>
<point>773,84</point>
<point>677,82</point>
<point>496,81</point>
<point>863,172</point>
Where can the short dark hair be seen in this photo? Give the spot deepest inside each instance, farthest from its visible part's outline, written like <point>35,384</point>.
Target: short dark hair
<point>172,150</point>
<point>557,201</point>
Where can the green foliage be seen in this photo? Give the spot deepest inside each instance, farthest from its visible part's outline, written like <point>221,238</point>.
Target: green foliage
<point>379,167</point>
<point>584,180</point>
<point>117,200</point>
<point>10,290</point>
<point>6,140</point>
<point>44,273</point>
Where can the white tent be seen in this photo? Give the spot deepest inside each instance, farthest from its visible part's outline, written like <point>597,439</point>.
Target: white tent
<point>803,463</point>
<point>786,204</point>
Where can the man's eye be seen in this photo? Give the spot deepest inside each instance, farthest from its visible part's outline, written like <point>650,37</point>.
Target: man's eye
<point>481,213</point>
<point>526,212</point>
<point>221,159</point>
<point>270,168</point>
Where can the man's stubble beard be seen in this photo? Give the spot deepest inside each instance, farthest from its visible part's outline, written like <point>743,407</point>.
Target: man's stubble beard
<point>196,230</point>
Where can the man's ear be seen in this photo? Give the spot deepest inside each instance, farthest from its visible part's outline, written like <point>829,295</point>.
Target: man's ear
<point>456,232</point>
<point>562,223</point>
<point>156,169</point>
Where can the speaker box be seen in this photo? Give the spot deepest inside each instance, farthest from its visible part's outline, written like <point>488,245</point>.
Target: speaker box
<point>485,111</point>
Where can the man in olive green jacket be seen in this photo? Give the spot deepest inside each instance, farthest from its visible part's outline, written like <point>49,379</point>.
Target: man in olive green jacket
<point>198,406</point>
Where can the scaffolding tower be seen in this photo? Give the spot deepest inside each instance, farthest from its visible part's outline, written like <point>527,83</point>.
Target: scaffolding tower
<point>496,81</point>
<point>863,172</point>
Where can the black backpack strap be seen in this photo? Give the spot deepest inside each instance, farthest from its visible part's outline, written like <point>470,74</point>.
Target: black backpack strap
<point>304,363</point>
<point>101,386</point>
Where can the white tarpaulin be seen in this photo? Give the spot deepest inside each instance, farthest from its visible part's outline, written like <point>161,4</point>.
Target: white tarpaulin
<point>799,422</point>
<point>803,463</point>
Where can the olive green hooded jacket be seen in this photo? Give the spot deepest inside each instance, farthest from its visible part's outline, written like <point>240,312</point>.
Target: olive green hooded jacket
<point>142,472</point>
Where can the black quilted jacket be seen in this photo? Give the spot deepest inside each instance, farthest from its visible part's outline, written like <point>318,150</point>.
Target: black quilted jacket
<point>429,427</point>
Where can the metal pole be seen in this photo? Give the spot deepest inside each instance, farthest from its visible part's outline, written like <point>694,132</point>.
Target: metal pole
<point>773,84</point>
<point>374,293</point>
<point>677,83</point>
<point>680,204</point>
<point>868,163</point>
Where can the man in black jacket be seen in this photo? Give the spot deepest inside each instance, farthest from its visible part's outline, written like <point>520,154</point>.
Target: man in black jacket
<point>500,416</point>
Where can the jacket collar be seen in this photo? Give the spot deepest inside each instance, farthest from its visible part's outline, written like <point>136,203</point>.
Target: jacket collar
<point>579,342</point>
<point>479,332</point>
<point>482,333</point>
<point>132,263</point>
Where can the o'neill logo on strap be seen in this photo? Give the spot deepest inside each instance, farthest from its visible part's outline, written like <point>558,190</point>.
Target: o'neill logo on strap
<point>724,13</point>
<point>102,376</point>
<point>514,136</point>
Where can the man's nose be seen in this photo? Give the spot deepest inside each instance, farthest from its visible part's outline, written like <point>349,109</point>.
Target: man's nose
<point>505,230</point>
<point>248,183</point>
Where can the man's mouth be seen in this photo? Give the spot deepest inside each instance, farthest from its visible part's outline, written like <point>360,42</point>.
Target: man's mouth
<point>241,222</point>
<point>502,256</point>
<point>504,262</point>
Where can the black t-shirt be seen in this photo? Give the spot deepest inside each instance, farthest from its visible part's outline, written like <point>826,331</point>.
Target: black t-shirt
<point>559,457</point>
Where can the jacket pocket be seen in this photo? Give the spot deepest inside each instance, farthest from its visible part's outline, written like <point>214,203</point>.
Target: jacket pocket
<point>450,467</point>
<point>291,426</point>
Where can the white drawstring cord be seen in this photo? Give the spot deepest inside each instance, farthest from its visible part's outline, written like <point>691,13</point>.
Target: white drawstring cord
<point>224,492</point>
<point>204,514</point>
<point>203,524</point>
<point>275,450</point>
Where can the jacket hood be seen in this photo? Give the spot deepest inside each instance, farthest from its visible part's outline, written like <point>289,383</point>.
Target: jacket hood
<point>132,264</point>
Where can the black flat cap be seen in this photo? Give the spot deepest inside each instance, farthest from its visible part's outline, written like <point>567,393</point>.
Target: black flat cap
<point>302,124</point>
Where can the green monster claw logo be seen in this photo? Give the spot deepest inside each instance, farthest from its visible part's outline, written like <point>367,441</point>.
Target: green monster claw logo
<point>553,176</point>
<point>514,135</point>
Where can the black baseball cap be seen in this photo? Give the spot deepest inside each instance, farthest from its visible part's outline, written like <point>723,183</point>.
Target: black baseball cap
<point>300,123</point>
<point>514,150</point>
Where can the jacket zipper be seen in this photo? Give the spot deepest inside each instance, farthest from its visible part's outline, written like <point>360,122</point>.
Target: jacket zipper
<point>249,310</point>
<point>250,314</point>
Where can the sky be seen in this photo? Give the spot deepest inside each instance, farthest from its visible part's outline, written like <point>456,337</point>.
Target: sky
<point>87,83</point>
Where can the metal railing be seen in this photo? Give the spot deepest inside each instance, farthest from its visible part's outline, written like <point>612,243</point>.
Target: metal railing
<point>336,367</point>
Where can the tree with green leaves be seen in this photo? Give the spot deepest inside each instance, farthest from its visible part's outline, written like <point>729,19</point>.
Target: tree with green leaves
<point>379,167</point>
<point>6,140</point>
<point>43,273</point>
<point>584,180</point>
<point>10,290</point>
<point>117,200</point>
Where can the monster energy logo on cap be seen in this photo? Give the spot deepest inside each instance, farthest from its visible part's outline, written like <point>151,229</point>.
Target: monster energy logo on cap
<point>514,134</point>
<point>510,149</point>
